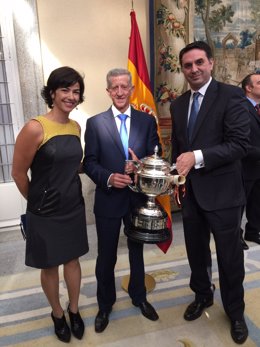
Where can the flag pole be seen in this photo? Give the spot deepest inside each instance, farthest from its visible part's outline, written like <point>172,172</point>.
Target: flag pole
<point>149,279</point>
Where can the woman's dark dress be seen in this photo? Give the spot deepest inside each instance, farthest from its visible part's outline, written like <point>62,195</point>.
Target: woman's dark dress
<point>56,222</point>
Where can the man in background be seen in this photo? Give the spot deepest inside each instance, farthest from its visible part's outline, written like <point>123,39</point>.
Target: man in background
<point>251,163</point>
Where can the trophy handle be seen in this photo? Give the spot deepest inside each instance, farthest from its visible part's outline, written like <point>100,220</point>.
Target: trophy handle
<point>134,188</point>
<point>137,164</point>
<point>131,167</point>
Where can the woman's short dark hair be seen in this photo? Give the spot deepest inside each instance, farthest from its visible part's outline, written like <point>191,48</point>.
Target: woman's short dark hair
<point>62,77</point>
<point>196,45</point>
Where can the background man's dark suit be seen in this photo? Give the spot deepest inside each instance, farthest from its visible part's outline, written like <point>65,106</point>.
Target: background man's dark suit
<point>104,155</point>
<point>251,173</point>
<point>221,132</point>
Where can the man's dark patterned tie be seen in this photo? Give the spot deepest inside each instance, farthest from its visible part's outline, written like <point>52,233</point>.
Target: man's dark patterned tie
<point>257,107</point>
<point>193,114</point>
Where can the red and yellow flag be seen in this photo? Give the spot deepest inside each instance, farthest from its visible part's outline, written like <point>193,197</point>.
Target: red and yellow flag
<point>142,99</point>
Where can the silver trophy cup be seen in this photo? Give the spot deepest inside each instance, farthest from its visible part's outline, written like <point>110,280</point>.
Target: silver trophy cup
<point>152,178</point>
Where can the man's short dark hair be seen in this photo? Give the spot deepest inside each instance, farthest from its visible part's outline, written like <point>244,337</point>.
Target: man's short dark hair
<point>196,45</point>
<point>247,80</point>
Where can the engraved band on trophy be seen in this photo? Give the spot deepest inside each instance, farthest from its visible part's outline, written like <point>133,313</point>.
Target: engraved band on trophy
<point>152,178</point>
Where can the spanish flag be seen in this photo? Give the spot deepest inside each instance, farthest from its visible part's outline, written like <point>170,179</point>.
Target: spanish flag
<point>142,99</point>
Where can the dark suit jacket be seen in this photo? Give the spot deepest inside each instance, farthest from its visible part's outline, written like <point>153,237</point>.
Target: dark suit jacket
<point>222,133</point>
<point>251,163</point>
<point>104,155</point>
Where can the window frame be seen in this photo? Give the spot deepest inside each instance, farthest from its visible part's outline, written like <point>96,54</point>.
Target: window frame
<point>11,67</point>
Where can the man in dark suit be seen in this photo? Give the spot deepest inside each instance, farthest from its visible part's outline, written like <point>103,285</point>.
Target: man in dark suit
<point>251,163</point>
<point>208,151</point>
<point>104,163</point>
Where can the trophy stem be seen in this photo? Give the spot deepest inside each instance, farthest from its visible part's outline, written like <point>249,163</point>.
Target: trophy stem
<point>151,202</point>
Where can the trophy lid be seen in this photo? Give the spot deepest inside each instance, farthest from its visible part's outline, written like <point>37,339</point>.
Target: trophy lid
<point>155,159</point>
<point>155,165</point>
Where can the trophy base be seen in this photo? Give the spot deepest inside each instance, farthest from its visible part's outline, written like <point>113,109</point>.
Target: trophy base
<point>147,236</point>
<point>148,224</point>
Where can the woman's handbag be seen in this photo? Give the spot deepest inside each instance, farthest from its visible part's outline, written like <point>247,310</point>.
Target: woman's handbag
<point>23,225</point>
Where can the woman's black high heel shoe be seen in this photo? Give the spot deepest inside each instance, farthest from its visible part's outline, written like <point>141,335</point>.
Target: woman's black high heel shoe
<point>76,324</point>
<point>61,328</point>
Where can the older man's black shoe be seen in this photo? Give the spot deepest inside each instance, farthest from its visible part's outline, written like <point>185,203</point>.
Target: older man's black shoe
<point>253,237</point>
<point>239,331</point>
<point>196,308</point>
<point>101,321</point>
<point>148,311</point>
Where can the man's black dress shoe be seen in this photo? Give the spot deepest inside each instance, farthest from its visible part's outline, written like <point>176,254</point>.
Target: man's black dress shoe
<point>77,324</point>
<point>244,244</point>
<point>253,237</point>
<point>61,328</point>
<point>196,308</point>
<point>239,331</point>
<point>101,321</point>
<point>148,311</point>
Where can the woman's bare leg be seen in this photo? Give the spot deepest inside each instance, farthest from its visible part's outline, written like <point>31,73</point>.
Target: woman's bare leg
<point>72,276</point>
<point>50,286</point>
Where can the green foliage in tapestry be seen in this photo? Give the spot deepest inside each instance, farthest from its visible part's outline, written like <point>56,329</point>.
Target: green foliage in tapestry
<point>214,16</point>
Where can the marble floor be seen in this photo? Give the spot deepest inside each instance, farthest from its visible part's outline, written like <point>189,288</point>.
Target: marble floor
<point>25,313</point>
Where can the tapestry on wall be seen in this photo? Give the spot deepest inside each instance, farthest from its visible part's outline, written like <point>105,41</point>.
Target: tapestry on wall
<point>231,28</point>
<point>169,33</point>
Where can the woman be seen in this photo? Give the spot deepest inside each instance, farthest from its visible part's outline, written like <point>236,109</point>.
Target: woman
<point>50,147</point>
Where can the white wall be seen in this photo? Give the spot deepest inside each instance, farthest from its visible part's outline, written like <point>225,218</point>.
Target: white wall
<point>92,37</point>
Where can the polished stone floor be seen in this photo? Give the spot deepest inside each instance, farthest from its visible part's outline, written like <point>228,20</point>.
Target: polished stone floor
<point>25,314</point>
